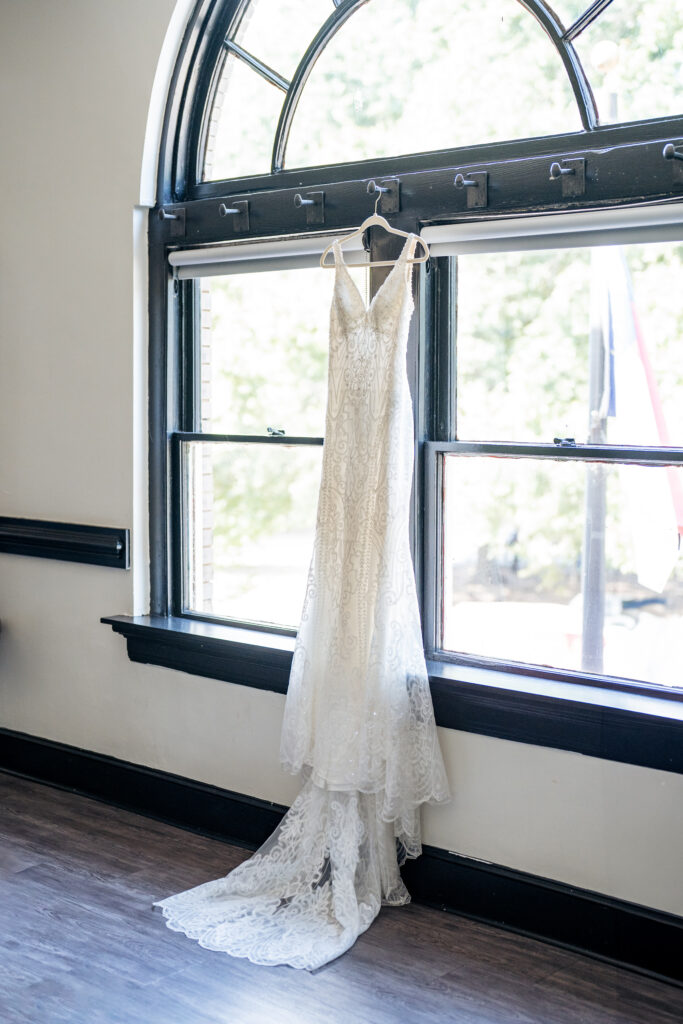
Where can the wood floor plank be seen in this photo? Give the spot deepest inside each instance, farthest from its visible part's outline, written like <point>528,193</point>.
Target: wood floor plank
<point>80,943</point>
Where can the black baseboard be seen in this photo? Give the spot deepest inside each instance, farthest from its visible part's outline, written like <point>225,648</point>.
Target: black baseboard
<point>613,930</point>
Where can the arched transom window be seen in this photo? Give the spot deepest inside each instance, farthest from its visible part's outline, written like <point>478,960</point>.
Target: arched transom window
<point>303,83</point>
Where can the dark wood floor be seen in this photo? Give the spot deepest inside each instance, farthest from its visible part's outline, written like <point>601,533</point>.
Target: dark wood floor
<point>79,943</point>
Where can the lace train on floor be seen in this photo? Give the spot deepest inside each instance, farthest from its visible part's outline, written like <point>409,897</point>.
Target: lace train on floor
<point>303,899</point>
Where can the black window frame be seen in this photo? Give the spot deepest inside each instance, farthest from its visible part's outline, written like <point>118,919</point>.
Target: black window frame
<point>625,167</point>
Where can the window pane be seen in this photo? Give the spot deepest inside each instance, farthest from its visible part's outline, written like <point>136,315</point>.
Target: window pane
<point>632,55</point>
<point>264,351</point>
<point>279,33</point>
<point>248,529</point>
<point>519,579</point>
<point>530,323</point>
<point>569,10</point>
<point>404,77</point>
<point>242,123</point>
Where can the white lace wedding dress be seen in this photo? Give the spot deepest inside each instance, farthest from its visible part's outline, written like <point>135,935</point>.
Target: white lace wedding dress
<point>358,721</point>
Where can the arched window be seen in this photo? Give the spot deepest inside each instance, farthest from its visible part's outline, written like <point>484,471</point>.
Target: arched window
<point>540,154</point>
<point>379,78</point>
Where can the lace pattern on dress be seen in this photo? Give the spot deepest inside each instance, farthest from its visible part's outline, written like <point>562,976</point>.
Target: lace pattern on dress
<point>359,722</point>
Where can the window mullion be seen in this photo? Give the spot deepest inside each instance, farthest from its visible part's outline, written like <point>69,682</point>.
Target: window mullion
<point>443,361</point>
<point>432,583</point>
<point>178,523</point>
<point>189,406</point>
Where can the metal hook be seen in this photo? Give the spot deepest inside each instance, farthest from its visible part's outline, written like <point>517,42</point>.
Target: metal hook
<point>176,227</point>
<point>572,173</point>
<point>671,153</point>
<point>556,171</point>
<point>315,206</point>
<point>389,192</point>
<point>476,184</point>
<point>379,189</point>
<point>238,210</point>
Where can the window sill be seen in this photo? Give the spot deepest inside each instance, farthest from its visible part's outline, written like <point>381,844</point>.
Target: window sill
<point>249,657</point>
<point>632,728</point>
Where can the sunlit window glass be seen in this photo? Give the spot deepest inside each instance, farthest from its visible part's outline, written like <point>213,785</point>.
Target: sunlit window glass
<point>443,76</point>
<point>249,507</point>
<point>249,523</point>
<point>264,350</point>
<point>564,564</point>
<point>531,326</point>
<point>279,33</point>
<point>569,10</point>
<point>633,56</point>
<point>242,123</point>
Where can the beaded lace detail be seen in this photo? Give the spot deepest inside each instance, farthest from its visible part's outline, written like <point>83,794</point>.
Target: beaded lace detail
<point>358,720</point>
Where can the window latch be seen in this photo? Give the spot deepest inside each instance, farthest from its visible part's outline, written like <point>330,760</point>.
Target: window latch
<point>275,432</point>
<point>564,442</point>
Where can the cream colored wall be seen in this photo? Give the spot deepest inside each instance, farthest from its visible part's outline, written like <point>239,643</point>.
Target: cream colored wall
<point>76,79</point>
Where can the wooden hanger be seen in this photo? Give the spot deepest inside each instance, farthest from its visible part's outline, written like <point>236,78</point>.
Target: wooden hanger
<point>375,220</point>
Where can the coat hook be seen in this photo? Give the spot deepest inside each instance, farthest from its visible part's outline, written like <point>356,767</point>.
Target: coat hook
<point>238,210</point>
<point>572,174</point>
<point>460,181</point>
<point>477,185</point>
<point>389,192</point>
<point>556,171</point>
<point>671,153</point>
<point>176,226</point>
<point>315,206</point>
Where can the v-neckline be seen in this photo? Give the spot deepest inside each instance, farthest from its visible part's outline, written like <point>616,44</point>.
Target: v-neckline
<point>339,262</point>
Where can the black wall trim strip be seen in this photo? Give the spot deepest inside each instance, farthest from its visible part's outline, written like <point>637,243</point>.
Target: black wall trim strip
<point>614,930</point>
<point>629,727</point>
<point>69,542</point>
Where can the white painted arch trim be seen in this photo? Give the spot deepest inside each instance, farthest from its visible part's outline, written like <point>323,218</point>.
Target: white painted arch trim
<point>159,99</point>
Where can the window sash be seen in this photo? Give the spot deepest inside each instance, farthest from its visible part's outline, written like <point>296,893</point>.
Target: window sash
<point>434,453</point>
<point>179,519</point>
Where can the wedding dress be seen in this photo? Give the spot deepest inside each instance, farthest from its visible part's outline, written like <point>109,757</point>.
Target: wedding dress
<point>358,723</point>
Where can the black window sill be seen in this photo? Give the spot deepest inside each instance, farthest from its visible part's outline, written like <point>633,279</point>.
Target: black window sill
<point>633,728</point>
